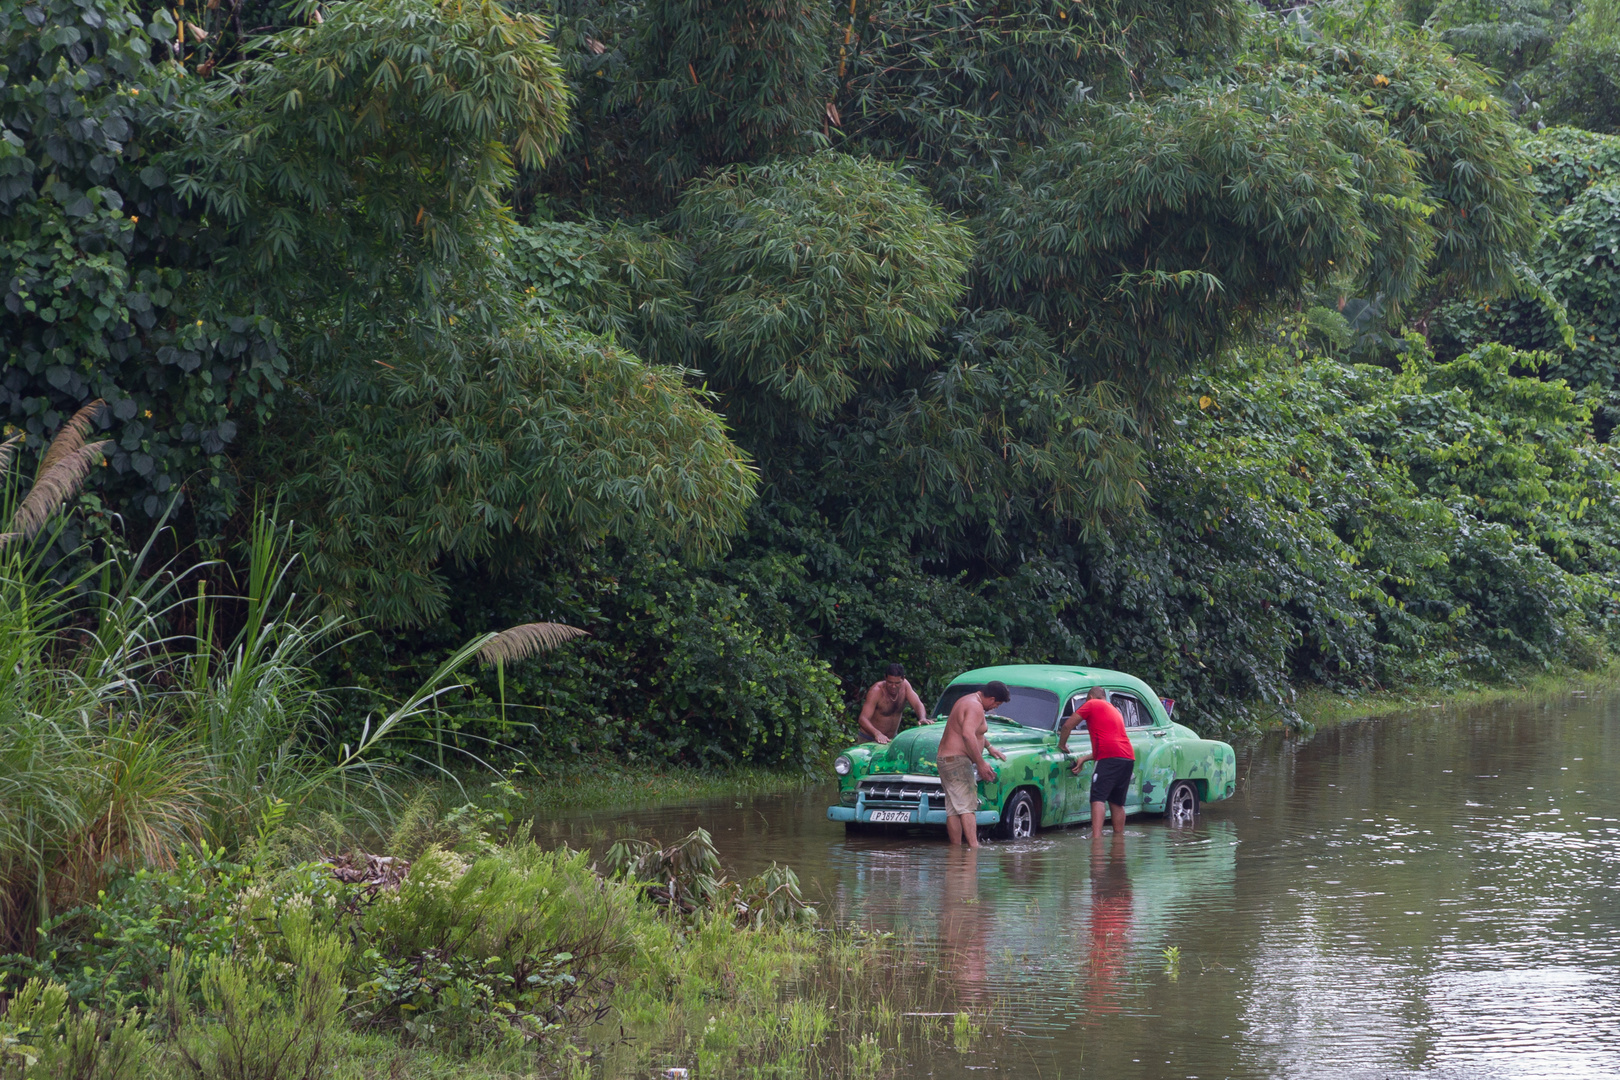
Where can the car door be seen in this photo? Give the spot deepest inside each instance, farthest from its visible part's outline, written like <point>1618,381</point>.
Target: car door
<point>1075,790</point>
<point>1139,728</point>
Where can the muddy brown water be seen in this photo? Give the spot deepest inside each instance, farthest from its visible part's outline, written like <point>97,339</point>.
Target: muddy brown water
<point>1436,895</point>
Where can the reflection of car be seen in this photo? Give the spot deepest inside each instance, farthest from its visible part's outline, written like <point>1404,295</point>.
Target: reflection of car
<point>1020,921</point>
<point>898,784</point>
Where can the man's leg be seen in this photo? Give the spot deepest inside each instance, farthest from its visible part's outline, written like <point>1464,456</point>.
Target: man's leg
<point>1118,813</point>
<point>1097,809</point>
<point>953,829</point>
<point>970,829</point>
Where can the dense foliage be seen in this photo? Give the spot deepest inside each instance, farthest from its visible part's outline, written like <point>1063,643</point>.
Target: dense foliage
<point>769,343</point>
<point>1579,83</point>
<point>306,251</point>
<point>1576,180</point>
<point>100,259</point>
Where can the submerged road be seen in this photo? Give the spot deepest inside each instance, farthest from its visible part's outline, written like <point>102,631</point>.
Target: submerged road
<point>1435,895</point>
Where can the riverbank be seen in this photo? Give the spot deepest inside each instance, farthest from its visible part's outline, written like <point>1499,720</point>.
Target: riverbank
<point>546,789</point>
<point>1325,708</point>
<point>480,956</point>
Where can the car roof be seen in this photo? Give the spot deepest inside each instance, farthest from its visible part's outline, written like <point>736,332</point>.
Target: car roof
<point>1060,679</point>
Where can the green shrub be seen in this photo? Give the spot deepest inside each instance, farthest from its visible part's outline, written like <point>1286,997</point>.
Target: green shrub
<point>41,1040</point>
<point>119,948</point>
<point>266,1020</point>
<point>685,663</point>
<point>1577,182</point>
<point>495,950</point>
<point>1352,526</point>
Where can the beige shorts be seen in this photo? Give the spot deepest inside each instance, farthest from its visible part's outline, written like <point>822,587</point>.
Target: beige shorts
<point>961,783</point>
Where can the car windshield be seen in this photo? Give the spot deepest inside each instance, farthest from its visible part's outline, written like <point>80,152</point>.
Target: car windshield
<point>1029,706</point>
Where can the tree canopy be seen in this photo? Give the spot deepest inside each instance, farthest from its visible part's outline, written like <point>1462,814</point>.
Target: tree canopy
<point>728,300</point>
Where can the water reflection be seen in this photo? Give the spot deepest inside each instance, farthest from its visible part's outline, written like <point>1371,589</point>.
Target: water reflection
<point>1437,895</point>
<point>1110,921</point>
<point>964,924</point>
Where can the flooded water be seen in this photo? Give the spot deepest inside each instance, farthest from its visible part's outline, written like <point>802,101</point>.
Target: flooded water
<point>1433,895</point>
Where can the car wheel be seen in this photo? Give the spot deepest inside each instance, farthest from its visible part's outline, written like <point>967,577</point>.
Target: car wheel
<point>1181,805</point>
<point>1020,818</point>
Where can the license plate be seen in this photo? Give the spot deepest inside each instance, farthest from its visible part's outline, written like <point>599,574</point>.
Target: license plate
<point>896,816</point>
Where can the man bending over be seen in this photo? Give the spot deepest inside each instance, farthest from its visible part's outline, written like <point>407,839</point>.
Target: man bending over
<point>1111,747</point>
<point>885,701</point>
<point>961,760</point>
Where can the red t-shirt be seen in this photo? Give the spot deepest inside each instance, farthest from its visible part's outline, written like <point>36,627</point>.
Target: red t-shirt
<point>1107,730</point>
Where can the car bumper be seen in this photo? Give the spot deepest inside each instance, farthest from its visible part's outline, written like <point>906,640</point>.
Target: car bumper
<point>919,816</point>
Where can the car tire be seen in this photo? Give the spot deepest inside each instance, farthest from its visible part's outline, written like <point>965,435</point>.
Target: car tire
<point>1181,804</point>
<point>1019,818</point>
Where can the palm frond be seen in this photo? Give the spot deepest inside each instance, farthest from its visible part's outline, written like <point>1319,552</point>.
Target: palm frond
<point>56,485</point>
<point>70,438</point>
<point>522,642</point>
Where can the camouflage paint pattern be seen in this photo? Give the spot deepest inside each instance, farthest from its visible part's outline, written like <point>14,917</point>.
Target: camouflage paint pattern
<point>1165,751</point>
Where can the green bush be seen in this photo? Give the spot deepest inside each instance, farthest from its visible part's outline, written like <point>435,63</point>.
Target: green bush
<point>494,951</point>
<point>685,663</point>
<point>1577,182</point>
<point>266,1020</point>
<point>120,947</point>
<point>1354,526</point>
<point>40,1039</point>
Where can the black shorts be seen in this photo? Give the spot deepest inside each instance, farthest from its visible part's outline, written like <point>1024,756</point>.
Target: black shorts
<point>1111,779</point>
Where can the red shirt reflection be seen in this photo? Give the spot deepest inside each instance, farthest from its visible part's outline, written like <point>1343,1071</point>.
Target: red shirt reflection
<point>1111,912</point>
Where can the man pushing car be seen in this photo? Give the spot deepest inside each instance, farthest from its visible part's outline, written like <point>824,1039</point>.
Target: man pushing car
<point>1111,748</point>
<point>886,700</point>
<point>961,760</point>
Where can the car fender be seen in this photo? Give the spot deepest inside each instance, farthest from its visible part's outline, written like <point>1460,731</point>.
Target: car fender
<point>1030,767</point>
<point>1207,760</point>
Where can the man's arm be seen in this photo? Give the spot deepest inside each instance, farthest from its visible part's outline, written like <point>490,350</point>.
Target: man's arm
<point>1070,722</point>
<point>984,740</point>
<point>976,743</point>
<point>867,727</point>
<point>916,703</point>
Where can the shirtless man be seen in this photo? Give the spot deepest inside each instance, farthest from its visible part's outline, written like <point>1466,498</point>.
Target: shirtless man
<point>961,761</point>
<point>885,701</point>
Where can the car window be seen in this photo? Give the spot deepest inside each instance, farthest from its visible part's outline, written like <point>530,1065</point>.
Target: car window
<point>1029,706</point>
<point>1135,713</point>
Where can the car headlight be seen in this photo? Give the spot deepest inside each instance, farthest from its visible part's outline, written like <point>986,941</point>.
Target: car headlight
<point>843,765</point>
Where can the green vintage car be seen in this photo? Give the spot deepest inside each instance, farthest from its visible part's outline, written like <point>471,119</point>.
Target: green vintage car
<point>898,784</point>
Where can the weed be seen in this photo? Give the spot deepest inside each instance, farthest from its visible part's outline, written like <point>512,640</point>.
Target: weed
<point>963,1032</point>
<point>39,1038</point>
<point>867,1056</point>
<point>265,1020</point>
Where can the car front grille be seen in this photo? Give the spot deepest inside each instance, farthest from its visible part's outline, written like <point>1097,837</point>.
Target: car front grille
<point>902,792</point>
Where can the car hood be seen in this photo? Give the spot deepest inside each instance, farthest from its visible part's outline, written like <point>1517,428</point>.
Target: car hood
<point>916,750</point>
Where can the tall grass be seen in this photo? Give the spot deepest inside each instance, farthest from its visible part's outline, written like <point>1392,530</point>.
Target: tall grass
<point>123,742</point>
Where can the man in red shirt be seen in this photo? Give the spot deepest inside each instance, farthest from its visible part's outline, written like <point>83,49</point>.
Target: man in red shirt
<point>1111,748</point>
